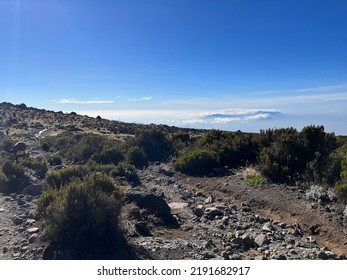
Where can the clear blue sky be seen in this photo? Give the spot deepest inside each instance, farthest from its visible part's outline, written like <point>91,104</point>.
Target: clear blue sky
<point>257,64</point>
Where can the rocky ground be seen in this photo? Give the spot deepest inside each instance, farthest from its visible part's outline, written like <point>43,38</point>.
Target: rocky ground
<point>222,218</point>
<point>21,234</point>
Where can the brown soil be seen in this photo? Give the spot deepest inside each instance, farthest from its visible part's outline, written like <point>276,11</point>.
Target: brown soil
<point>283,203</point>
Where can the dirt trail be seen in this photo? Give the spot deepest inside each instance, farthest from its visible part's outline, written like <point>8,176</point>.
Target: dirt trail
<point>283,203</point>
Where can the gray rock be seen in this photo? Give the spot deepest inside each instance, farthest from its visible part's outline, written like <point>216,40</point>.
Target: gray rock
<point>198,211</point>
<point>153,201</point>
<point>323,255</point>
<point>345,214</point>
<point>33,230</point>
<point>213,211</point>
<point>237,240</point>
<point>268,227</point>
<point>209,200</point>
<point>17,220</point>
<point>34,189</point>
<point>247,239</point>
<point>261,239</point>
<point>142,229</point>
<point>167,171</point>
<point>33,237</point>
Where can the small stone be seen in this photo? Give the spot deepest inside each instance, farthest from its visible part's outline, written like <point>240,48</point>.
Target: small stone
<point>30,221</point>
<point>4,250</point>
<point>209,200</point>
<point>225,255</point>
<point>199,210</point>
<point>323,255</point>
<point>7,198</point>
<point>267,227</point>
<point>33,230</point>
<point>213,211</point>
<point>33,237</point>
<point>20,201</point>
<point>24,248</point>
<point>237,240</point>
<point>261,239</point>
<point>17,220</point>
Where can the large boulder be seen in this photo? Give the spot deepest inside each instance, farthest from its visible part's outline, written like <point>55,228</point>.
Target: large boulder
<point>19,146</point>
<point>33,189</point>
<point>153,201</point>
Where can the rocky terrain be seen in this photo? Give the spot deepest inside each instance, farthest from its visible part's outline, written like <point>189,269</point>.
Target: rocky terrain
<point>175,216</point>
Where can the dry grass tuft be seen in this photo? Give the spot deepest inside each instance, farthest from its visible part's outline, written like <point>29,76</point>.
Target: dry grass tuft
<point>249,172</point>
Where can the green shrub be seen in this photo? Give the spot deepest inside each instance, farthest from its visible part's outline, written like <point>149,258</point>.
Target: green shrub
<point>255,181</point>
<point>83,217</point>
<point>341,191</point>
<point>58,179</point>
<point>108,155</point>
<point>37,165</point>
<point>136,156</point>
<point>12,170</point>
<point>12,177</point>
<point>154,144</point>
<point>197,162</point>
<point>55,159</point>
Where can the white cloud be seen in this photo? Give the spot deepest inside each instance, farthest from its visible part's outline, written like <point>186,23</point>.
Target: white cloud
<point>225,120</point>
<point>140,99</point>
<point>82,102</point>
<point>258,117</point>
<point>322,88</point>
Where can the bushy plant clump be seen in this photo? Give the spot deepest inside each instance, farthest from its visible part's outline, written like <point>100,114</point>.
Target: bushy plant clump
<point>37,165</point>
<point>58,179</point>
<point>197,162</point>
<point>307,155</point>
<point>149,146</point>
<point>83,217</point>
<point>12,177</point>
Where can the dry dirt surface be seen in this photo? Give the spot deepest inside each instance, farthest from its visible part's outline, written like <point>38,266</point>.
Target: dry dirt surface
<point>287,204</point>
<point>267,222</point>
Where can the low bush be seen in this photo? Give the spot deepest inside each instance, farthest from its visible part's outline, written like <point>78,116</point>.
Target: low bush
<point>197,162</point>
<point>55,159</point>
<point>136,156</point>
<point>83,217</point>
<point>37,165</point>
<point>255,181</point>
<point>341,191</point>
<point>57,179</point>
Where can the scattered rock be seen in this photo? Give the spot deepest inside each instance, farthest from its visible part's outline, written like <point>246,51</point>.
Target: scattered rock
<point>33,230</point>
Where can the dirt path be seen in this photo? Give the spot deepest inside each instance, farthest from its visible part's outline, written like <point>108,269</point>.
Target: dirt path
<point>283,203</point>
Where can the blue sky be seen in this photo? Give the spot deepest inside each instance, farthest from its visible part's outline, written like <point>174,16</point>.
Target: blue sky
<point>228,64</point>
